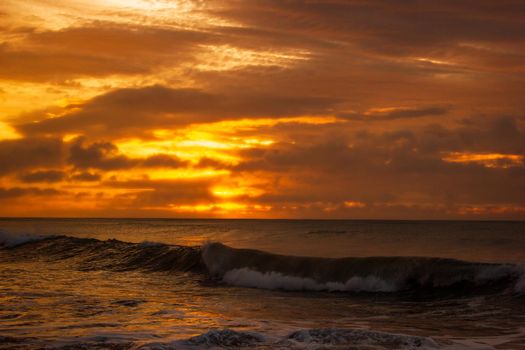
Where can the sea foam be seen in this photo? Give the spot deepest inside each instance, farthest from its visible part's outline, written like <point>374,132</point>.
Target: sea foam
<point>323,338</point>
<point>246,277</point>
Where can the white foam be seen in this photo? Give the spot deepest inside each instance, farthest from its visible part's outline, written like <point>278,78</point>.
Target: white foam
<point>519,287</point>
<point>333,337</point>
<point>502,271</point>
<point>364,284</point>
<point>246,277</point>
<point>215,339</point>
<point>10,240</point>
<point>327,338</point>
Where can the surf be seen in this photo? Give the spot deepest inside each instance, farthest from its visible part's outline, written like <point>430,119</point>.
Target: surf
<point>264,270</point>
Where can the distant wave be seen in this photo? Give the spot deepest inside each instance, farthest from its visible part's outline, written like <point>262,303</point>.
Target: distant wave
<point>258,269</point>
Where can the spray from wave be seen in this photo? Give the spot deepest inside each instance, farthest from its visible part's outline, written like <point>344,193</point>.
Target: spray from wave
<point>258,269</point>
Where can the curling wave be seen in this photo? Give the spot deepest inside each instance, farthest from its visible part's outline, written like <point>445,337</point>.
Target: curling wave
<point>253,268</point>
<point>258,269</point>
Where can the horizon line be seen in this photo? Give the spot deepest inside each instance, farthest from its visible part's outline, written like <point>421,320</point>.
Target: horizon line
<point>248,219</point>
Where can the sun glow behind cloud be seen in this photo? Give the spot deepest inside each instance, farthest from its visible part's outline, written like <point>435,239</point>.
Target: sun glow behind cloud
<point>225,57</point>
<point>489,160</point>
<point>7,132</point>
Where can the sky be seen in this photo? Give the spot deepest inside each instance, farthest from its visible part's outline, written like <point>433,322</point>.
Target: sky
<point>353,109</point>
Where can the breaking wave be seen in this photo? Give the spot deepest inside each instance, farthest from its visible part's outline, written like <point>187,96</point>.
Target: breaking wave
<point>252,268</point>
<point>258,269</point>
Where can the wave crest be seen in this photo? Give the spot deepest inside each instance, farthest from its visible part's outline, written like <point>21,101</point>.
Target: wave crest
<point>93,254</point>
<point>252,268</point>
<point>9,240</point>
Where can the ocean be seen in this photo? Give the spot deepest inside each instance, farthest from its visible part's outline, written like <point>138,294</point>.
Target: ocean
<point>265,284</point>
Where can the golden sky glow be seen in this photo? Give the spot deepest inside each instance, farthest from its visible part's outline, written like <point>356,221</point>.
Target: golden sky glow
<point>490,160</point>
<point>354,109</point>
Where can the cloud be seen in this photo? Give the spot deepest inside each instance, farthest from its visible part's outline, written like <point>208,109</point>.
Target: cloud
<point>393,29</point>
<point>393,113</point>
<point>15,192</point>
<point>398,167</point>
<point>85,176</point>
<point>43,176</point>
<point>163,161</point>
<point>79,51</point>
<point>99,155</point>
<point>137,110</point>
<point>372,53</point>
<point>27,153</point>
<point>403,96</point>
<point>163,193</point>
<point>106,156</point>
<point>33,66</point>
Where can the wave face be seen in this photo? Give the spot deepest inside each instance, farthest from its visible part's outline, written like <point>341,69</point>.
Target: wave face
<point>252,268</point>
<point>93,254</point>
<point>258,269</point>
<point>12,240</point>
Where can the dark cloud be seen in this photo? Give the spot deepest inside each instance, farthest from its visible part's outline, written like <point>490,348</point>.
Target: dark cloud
<point>372,53</point>
<point>395,113</point>
<point>397,167</point>
<point>96,50</point>
<point>41,66</point>
<point>43,176</point>
<point>163,161</point>
<point>99,155</point>
<point>162,193</point>
<point>85,176</point>
<point>30,153</point>
<point>136,111</point>
<point>406,28</point>
<point>126,40</point>
<point>15,192</point>
<point>106,156</point>
<point>485,135</point>
<point>184,193</point>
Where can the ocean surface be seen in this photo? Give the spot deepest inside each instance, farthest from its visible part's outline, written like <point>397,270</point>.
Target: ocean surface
<point>264,284</point>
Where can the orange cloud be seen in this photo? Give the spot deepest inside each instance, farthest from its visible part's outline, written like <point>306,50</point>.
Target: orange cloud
<point>352,109</point>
